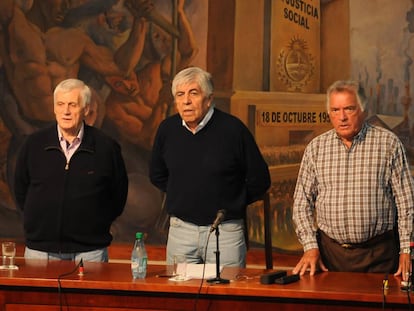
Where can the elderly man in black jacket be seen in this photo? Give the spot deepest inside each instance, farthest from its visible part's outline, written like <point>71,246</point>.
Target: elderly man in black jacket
<point>70,183</point>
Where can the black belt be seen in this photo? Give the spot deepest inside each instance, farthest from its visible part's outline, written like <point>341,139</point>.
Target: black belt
<point>371,242</point>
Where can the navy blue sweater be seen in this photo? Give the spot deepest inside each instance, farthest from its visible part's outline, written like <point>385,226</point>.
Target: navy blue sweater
<point>220,167</point>
<point>70,210</point>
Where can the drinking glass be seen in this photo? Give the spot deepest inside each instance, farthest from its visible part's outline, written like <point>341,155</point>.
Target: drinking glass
<point>180,268</point>
<point>8,250</point>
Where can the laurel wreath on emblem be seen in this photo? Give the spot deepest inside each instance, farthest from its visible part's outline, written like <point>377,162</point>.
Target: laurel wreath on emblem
<point>295,65</point>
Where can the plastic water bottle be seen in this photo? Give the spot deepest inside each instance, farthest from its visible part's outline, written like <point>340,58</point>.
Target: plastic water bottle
<point>139,258</point>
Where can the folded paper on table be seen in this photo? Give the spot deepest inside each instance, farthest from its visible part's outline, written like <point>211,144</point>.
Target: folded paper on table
<point>195,271</point>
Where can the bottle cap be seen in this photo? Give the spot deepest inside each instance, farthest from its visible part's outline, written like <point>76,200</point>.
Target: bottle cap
<point>138,235</point>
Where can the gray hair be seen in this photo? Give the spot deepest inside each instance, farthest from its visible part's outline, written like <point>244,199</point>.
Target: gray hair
<point>347,86</point>
<point>194,74</point>
<point>68,85</point>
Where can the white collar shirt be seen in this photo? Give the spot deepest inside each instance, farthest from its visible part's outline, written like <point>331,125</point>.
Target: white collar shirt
<point>203,122</point>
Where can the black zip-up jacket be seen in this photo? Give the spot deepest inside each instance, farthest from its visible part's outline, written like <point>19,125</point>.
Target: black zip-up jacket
<point>69,207</point>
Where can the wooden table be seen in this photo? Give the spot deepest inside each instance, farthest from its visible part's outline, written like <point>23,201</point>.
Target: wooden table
<point>109,287</point>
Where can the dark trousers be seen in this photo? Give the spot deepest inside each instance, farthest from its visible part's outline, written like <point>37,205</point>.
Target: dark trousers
<point>378,255</point>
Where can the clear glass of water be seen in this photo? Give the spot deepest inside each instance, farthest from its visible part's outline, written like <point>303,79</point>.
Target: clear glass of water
<point>180,268</point>
<point>8,250</point>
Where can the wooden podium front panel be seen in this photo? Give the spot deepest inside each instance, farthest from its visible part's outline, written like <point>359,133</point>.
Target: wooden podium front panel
<point>109,287</point>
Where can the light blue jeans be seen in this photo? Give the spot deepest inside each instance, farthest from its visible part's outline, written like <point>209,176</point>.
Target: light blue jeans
<point>190,240</point>
<point>98,255</point>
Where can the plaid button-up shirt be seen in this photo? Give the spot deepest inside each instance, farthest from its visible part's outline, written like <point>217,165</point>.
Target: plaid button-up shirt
<point>354,194</point>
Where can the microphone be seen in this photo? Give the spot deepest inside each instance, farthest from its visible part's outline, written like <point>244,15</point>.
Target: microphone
<point>221,214</point>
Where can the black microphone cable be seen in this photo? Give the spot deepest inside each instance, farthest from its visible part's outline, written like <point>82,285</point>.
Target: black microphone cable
<point>221,214</point>
<point>204,270</point>
<point>79,267</point>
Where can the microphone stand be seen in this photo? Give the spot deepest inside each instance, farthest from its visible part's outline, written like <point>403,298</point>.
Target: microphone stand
<point>218,279</point>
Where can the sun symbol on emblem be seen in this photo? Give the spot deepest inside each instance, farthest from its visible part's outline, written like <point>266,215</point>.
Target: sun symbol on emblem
<point>295,65</point>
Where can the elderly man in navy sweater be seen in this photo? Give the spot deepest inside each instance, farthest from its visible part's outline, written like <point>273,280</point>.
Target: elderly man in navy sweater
<point>206,160</point>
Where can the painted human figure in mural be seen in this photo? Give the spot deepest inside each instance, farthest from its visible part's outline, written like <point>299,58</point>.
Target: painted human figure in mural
<point>37,54</point>
<point>133,116</point>
<point>40,48</point>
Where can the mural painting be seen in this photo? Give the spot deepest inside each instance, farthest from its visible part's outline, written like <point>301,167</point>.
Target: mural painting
<point>127,51</point>
<point>382,50</point>
<point>283,123</point>
<point>382,58</point>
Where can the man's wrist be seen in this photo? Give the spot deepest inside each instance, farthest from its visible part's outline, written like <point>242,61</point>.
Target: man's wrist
<point>405,250</point>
